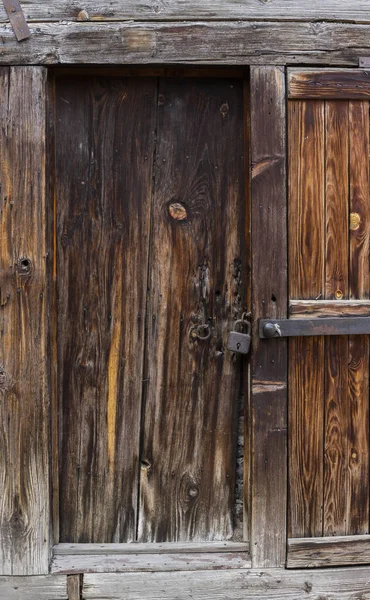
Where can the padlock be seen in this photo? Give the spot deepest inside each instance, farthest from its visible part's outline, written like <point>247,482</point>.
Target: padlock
<point>237,341</point>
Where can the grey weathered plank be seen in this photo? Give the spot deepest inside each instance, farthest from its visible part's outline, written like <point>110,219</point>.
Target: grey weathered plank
<point>219,43</point>
<point>328,308</point>
<point>34,588</point>
<point>24,435</point>
<point>269,300</point>
<point>123,563</point>
<point>328,551</point>
<point>272,584</point>
<point>149,548</point>
<point>336,84</point>
<point>54,10</point>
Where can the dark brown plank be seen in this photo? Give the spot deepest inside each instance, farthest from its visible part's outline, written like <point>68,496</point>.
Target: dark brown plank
<point>269,299</point>
<point>198,277</point>
<point>306,280</point>
<point>350,84</point>
<point>336,484</point>
<point>358,387</point>
<point>218,43</point>
<point>104,152</point>
<point>328,551</point>
<point>24,435</point>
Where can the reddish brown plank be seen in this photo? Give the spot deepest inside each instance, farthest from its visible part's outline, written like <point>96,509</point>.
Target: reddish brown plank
<point>269,299</point>
<point>198,277</point>
<point>24,393</point>
<point>104,150</point>
<point>332,84</point>
<point>306,280</point>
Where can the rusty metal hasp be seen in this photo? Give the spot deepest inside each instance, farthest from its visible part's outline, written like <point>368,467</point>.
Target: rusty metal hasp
<point>17,19</point>
<point>275,328</point>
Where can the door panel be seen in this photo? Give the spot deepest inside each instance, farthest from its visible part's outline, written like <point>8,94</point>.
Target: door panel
<point>151,249</point>
<point>329,226</point>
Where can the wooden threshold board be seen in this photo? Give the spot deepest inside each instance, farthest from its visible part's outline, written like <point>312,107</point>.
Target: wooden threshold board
<point>328,551</point>
<point>121,558</point>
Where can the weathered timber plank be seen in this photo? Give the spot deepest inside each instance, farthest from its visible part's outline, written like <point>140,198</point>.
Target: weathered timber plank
<point>34,588</point>
<point>104,155</point>
<point>333,84</point>
<point>74,587</point>
<point>125,563</point>
<point>359,280</point>
<point>197,278</point>
<point>219,43</point>
<point>24,435</point>
<point>150,548</point>
<point>269,300</point>
<point>337,489</point>
<point>328,551</point>
<point>306,280</point>
<point>56,10</point>
<point>328,308</point>
<point>272,584</point>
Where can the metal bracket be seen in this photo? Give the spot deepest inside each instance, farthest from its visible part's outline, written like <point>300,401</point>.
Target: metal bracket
<point>269,328</point>
<point>364,62</point>
<point>17,19</point>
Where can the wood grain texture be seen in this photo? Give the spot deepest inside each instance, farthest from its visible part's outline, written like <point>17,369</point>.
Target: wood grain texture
<point>222,43</point>
<point>34,588</point>
<point>74,587</point>
<point>24,415</point>
<point>328,308</point>
<point>53,10</point>
<point>197,278</point>
<point>126,563</point>
<point>104,149</point>
<point>272,584</point>
<point>328,84</point>
<point>269,299</point>
<point>306,280</point>
<point>332,551</point>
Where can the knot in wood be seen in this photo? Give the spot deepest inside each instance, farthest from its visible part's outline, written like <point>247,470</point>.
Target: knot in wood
<point>24,266</point>
<point>224,109</point>
<point>5,380</point>
<point>178,211</point>
<point>354,221</point>
<point>83,15</point>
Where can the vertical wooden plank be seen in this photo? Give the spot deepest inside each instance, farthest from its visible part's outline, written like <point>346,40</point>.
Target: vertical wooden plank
<point>337,495</point>
<point>306,134</point>
<point>269,300</point>
<point>358,388</point>
<point>24,443</point>
<point>104,155</point>
<point>198,277</point>
<point>74,587</point>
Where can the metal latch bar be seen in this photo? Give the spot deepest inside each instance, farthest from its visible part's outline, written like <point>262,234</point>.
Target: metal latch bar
<point>269,328</point>
<point>17,19</point>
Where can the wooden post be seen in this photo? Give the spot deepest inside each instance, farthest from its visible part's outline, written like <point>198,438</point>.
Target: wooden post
<point>24,436</point>
<point>269,300</point>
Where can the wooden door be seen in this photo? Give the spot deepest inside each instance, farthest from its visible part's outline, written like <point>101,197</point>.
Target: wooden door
<point>329,275</point>
<point>150,273</point>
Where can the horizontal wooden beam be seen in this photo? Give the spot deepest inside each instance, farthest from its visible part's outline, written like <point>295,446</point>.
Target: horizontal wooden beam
<point>328,551</point>
<point>55,10</point>
<point>272,584</point>
<point>149,548</point>
<point>48,587</point>
<point>200,43</point>
<point>299,309</point>
<point>335,84</point>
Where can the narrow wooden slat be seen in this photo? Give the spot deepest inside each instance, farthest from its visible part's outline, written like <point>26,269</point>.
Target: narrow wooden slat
<point>104,149</point>
<point>358,385</point>
<point>306,280</point>
<point>272,584</point>
<point>198,277</point>
<point>150,548</point>
<point>328,551</point>
<point>74,587</point>
<point>24,434</point>
<point>54,10</point>
<point>222,43</point>
<point>34,588</point>
<point>337,495</point>
<point>328,308</point>
<point>329,84</point>
<point>126,563</point>
<point>269,299</point>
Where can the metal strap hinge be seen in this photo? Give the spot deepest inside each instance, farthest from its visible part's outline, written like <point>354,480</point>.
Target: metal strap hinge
<point>269,328</point>
<point>17,19</point>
